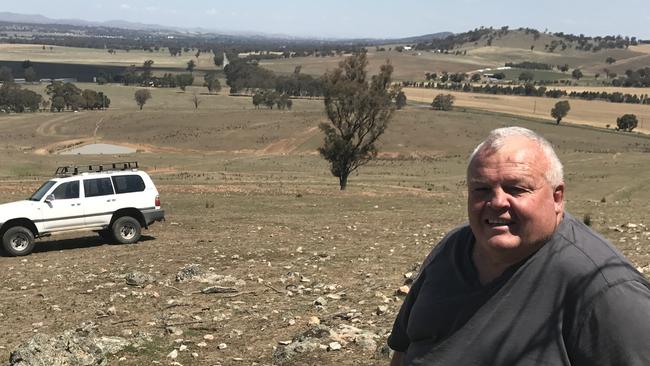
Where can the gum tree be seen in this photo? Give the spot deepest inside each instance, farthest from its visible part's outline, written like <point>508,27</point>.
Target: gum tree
<point>358,110</point>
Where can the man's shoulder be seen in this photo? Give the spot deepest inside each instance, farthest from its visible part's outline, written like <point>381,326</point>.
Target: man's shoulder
<point>582,252</point>
<point>460,235</point>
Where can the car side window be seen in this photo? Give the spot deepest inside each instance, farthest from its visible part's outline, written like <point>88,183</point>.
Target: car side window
<point>67,190</point>
<point>98,187</point>
<point>128,183</point>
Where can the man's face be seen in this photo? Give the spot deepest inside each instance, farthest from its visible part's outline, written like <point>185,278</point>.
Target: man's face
<point>511,206</point>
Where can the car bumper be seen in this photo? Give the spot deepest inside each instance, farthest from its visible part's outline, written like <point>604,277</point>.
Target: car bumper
<point>153,215</point>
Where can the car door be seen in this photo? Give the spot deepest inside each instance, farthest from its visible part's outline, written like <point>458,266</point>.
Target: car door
<point>99,201</point>
<point>62,208</point>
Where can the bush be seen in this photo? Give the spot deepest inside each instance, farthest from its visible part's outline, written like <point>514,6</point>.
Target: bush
<point>443,102</point>
<point>627,122</point>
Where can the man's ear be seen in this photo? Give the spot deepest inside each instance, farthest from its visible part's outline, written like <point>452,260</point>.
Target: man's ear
<point>558,198</point>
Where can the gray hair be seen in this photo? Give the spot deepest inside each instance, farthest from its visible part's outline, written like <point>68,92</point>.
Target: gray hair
<point>497,139</point>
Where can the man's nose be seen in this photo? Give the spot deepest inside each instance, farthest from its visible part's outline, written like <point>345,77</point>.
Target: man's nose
<point>498,199</point>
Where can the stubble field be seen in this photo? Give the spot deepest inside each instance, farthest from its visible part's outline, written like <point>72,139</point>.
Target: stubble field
<point>250,202</point>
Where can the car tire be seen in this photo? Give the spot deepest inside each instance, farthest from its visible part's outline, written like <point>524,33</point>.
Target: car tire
<point>18,241</point>
<point>126,230</point>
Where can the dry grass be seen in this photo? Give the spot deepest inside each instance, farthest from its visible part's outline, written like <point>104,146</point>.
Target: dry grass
<point>92,56</point>
<point>267,209</point>
<point>594,113</point>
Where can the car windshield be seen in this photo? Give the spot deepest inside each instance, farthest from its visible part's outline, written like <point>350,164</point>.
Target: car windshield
<point>41,191</point>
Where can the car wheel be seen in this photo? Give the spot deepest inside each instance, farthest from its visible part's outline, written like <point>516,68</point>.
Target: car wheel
<point>18,241</point>
<point>126,230</point>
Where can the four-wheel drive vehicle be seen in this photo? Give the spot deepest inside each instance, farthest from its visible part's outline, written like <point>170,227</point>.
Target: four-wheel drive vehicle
<point>116,200</point>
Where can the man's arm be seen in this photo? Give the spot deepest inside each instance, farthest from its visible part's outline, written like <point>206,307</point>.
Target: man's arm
<point>616,331</point>
<point>397,359</point>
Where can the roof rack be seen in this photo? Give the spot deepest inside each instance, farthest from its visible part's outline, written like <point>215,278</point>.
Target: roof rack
<point>64,171</point>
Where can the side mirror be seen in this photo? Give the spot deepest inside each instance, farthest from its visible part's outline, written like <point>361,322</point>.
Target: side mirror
<point>49,198</point>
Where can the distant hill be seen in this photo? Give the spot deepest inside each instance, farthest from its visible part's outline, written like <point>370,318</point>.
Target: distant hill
<point>40,19</point>
<point>121,24</point>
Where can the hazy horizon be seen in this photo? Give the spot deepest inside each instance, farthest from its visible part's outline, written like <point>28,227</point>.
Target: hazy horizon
<point>357,19</point>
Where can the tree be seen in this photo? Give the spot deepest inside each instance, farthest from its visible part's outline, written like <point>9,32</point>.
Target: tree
<point>359,111</point>
<point>560,110</point>
<point>146,70</point>
<point>526,76</point>
<point>184,80</point>
<point>141,97</point>
<point>218,59</point>
<point>400,100</point>
<point>190,66</point>
<point>627,122</point>
<point>195,100</point>
<point>30,74</point>
<point>475,78</point>
<point>212,82</point>
<point>610,60</point>
<point>6,74</point>
<point>576,74</point>
<point>58,104</point>
<point>443,102</point>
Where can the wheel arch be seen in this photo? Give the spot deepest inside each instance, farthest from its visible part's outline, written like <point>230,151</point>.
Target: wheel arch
<point>21,221</point>
<point>129,211</point>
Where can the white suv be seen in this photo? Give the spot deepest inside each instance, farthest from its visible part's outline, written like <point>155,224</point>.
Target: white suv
<point>116,200</point>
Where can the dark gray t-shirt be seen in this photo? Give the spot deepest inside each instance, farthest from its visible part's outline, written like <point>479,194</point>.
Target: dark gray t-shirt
<point>576,301</point>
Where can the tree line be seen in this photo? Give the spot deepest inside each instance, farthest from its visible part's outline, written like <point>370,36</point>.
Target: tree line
<point>530,89</point>
<point>243,77</point>
<point>63,96</point>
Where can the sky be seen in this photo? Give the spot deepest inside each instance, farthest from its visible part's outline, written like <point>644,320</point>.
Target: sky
<point>358,18</point>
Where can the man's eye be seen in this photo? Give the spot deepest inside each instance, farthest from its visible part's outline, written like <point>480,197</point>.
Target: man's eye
<point>516,190</point>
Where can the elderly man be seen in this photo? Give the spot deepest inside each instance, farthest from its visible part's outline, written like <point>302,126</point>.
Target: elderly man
<point>524,283</point>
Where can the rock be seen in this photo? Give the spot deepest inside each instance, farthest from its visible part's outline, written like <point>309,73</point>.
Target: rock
<point>218,290</point>
<point>403,290</point>
<point>173,354</point>
<point>208,337</point>
<point>174,331</point>
<point>314,320</point>
<point>188,272</point>
<point>334,346</point>
<point>320,301</point>
<point>381,309</point>
<point>222,346</point>
<point>138,279</point>
<point>73,347</point>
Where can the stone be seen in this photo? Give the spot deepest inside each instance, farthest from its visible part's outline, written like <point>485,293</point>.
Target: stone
<point>80,347</point>
<point>138,279</point>
<point>403,290</point>
<point>334,346</point>
<point>173,354</point>
<point>222,346</point>
<point>188,272</point>
<point>381,309</point>
<point>314,320</point>
<point>320,301</point>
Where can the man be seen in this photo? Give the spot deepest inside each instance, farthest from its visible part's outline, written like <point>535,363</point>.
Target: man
<point>524,283</point>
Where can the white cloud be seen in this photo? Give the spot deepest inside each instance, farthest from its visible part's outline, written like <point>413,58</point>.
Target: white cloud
<point>212,11</point>
<point>152,8</point>
<point>125,6</point>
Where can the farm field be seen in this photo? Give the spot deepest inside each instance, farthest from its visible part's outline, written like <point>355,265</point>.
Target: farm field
<point>248,200</point>
<point>93,56</point>
<point>594,113</point>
